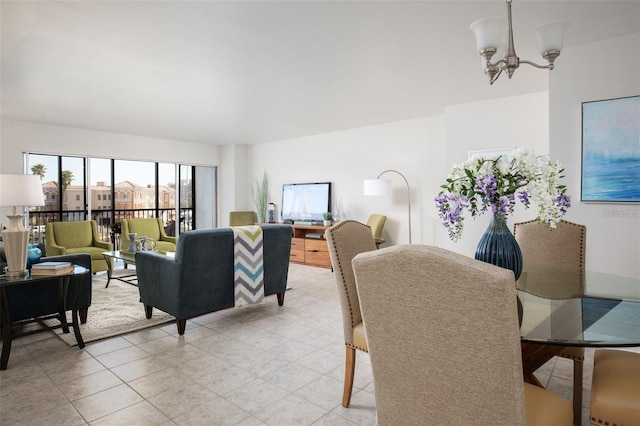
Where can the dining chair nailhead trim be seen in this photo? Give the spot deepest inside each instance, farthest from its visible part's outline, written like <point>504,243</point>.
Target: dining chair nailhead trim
<point>356,347</point>
<point>600,421</point>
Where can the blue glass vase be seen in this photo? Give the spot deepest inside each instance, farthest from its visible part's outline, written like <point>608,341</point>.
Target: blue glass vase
<point>33,254</point>
<point>499,247</point>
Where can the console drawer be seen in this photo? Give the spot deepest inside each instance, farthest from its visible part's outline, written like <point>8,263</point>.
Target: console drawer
<point>297,256</point>
<point>316,245</point>
<point>317,253</point>
<point>297,244</point>
<point>320,258</point>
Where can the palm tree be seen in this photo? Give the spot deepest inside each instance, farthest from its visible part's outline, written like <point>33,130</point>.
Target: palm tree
<point>39,169</point>
<point>67,178</point>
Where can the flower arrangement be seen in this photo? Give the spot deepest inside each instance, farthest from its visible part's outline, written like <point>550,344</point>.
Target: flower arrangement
<point>482,183</point>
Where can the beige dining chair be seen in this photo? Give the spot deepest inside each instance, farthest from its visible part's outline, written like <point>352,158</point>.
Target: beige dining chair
<point>444,341</point>
<point>615,388</point>
<point>345,240</point>
<point>558,250</point>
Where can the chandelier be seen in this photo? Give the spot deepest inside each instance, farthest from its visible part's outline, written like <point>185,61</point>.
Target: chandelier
<point>489,35</point>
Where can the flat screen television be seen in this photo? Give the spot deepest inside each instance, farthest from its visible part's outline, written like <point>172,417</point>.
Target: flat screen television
<point>305,202</point>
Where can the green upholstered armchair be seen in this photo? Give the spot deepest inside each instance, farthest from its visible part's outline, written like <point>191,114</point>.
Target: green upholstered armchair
<point>376,222</point>
<point>150,228</point>
<point>242,218</point>
<point>77,237</point>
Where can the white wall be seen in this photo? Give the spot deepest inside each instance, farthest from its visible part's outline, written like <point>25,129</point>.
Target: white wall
<point>422,149</point>
<point>234,188</point>
<point>346,158</point>
<point>603,70</point>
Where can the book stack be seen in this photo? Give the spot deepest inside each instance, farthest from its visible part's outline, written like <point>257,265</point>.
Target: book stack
<point>52,268</point>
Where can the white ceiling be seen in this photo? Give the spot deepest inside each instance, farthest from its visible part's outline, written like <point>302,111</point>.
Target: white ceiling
<point>240,72</point>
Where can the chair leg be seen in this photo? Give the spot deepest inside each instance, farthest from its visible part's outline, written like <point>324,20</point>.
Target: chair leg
<point>349,370</point>
<point>578,366</point>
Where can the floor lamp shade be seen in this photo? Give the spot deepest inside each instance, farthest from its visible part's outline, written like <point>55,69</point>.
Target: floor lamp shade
<point>18,191</point>
<point>377,187</point>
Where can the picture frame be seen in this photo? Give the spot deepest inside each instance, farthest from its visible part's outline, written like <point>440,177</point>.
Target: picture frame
<point>490,153</point>
<point>610,150</point>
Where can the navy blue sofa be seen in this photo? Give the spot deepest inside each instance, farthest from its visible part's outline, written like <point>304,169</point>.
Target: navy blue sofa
<point>200,279</point>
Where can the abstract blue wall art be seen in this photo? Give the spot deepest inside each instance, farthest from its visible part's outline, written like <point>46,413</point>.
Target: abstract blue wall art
<point>611,150</point>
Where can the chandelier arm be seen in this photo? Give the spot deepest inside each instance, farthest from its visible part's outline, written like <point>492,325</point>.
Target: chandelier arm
<point>498,64</point>
<point>495,77</point>
<point>549,66</point>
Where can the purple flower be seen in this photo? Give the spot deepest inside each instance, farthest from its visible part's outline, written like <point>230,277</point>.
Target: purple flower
<point>523,196</point>
<point>504,205</point>
<point>563,201</point>
<point>487,186</point>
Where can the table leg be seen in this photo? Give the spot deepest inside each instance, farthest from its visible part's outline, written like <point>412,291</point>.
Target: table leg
<point>63,286</point>
<point>109,269</point>
<point>535,356</point>
<point>78,280</point>
<point>7,330</point>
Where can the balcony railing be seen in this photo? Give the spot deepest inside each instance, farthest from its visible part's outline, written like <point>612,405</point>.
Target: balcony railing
<point>105,219</point>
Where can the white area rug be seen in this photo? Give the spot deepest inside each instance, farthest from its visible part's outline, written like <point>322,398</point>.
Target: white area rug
<point>114,311</point>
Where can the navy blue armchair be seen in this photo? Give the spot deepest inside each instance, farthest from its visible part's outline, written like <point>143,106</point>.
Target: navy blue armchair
<point>200,278</point>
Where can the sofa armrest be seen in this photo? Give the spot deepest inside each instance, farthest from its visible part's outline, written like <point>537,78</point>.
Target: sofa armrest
<point>158,281</point>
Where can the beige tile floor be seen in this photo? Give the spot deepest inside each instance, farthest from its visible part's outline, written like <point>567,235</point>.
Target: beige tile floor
<point>260,365</point>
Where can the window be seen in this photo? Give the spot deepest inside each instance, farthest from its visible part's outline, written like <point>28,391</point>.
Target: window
<point>108,190</point>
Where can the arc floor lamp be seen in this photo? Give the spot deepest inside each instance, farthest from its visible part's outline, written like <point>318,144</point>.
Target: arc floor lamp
<point>379,187</point>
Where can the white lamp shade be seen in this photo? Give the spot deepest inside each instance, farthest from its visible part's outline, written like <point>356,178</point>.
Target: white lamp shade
<point>488,32</point>
<point>551,36</point>
<point>20,191</point>
<point>376,187</point>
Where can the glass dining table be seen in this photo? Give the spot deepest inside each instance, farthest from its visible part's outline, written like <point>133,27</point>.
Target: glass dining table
<point>563,308</point>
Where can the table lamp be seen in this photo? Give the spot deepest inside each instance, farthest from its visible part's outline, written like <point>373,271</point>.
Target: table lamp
<point>18,191</point>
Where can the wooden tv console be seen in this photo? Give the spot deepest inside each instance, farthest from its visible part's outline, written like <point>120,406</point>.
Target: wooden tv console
<point>307,250</point>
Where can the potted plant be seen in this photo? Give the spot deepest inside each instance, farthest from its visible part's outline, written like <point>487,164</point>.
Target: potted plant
<point>328,216</point>
<point>260,195</point>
